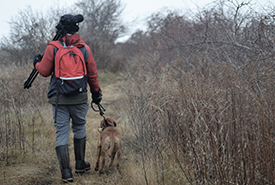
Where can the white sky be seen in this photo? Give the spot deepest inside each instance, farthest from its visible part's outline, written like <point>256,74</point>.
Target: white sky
<point>134,9</point>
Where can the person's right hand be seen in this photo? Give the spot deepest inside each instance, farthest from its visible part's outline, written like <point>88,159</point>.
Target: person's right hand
<point>36,59</point>
<point>96,97</point>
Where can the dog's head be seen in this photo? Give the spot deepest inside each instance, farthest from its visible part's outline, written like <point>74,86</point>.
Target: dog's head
<point>109,120</point>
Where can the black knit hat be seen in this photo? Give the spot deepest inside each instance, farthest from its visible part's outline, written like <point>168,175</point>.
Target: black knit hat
<point>68,24</point>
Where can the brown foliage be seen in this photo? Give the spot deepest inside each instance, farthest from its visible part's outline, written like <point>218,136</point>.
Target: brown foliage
<point>201,94</point>
<point>219,130</point>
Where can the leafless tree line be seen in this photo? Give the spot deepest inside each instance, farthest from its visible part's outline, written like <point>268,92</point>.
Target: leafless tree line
<point>30,31</point>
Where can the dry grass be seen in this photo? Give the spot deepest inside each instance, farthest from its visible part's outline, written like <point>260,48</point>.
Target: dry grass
<point>211,125</point>
<point>215,123</point>
<point>28,134</point>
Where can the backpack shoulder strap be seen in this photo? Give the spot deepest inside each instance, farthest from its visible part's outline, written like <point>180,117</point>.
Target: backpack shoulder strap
<point>85,53</point>
<point>56,43</point>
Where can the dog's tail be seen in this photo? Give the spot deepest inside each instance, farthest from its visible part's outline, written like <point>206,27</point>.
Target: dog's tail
<point>112,144</point>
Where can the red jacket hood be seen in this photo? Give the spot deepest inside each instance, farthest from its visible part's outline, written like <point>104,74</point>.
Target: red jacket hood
<point>74,39</point>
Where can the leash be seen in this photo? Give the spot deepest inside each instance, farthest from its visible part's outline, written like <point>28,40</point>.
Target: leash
<point>101,111</point>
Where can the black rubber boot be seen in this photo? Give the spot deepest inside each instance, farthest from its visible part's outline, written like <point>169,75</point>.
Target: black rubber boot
<point>79,150</point>
<point>62,153</point>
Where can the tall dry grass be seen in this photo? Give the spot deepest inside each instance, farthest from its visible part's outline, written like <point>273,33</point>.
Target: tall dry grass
<point>27,133</point>
<point>210,124</point>
<point>24,129</point>
<point>19,111</point>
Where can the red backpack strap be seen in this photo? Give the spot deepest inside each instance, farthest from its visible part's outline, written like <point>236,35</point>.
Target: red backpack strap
<point>56,43</point>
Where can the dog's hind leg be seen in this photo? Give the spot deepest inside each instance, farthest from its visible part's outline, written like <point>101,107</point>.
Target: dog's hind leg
<point>112,159</point>
<point>103,152</point>
<point>97,158</point>
<point>118,158</point>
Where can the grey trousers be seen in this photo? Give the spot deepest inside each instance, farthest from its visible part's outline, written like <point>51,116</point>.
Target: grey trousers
<point>66,113</point>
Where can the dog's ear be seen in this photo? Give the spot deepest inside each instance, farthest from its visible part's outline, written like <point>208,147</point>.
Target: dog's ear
<point>114,123</point>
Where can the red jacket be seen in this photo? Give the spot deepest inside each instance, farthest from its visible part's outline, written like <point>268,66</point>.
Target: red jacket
<point>45,67</point>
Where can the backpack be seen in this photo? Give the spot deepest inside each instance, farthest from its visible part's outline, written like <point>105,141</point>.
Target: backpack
<point>69,69</point>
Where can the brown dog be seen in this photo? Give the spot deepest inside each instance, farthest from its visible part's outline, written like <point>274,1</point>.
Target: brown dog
<point>109,138</point>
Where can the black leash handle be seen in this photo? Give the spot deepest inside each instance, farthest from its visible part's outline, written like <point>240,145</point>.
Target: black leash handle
<point>101,109</point>
<point>101,112</point>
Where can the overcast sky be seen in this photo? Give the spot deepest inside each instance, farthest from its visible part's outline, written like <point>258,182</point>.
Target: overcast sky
<point>133,8</point>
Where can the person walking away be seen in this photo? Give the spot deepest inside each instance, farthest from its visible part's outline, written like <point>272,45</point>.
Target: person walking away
<point>67,92</point>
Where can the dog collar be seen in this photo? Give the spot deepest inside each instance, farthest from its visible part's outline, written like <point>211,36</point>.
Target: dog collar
<point>100,129</point>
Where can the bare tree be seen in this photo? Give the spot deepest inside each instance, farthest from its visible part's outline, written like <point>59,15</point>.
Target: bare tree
<point>103,25</point>
<point>29,34</point>
<point>226,32</point>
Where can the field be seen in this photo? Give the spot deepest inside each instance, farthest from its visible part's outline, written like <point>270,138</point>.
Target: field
<point>209,125</point>
<point>29,156</point>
